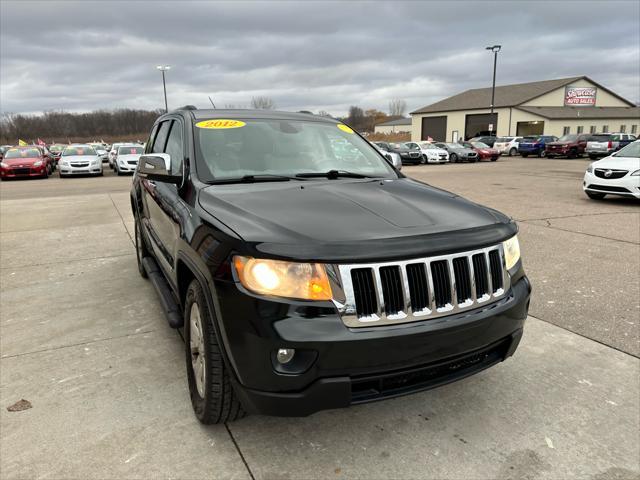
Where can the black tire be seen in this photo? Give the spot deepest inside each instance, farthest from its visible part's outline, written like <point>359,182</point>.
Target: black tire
<point>473,160</point>
<point>542,154</point>
<point>525,155</point>
<point>141,247</point>
<point>453,158</point>
<point>513,151</point>
<point>593,157</point>
<point>220,403</point>
<point>117,170</point>
<point>595,195</point>
<point>494,159</point>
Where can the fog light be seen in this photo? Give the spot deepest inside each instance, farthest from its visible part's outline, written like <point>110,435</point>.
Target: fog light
<point>285,355</point>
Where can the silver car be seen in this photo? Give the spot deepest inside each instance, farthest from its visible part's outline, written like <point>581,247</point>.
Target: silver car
<point>458,152</point>
<point>126,159</point>
<point>395,159</point>
<point>79,159</point>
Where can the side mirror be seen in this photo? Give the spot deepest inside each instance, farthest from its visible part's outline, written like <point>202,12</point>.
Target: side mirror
<point>157,166</point>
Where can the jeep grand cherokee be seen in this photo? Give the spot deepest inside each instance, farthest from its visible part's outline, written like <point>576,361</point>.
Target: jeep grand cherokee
<point>308,273</point>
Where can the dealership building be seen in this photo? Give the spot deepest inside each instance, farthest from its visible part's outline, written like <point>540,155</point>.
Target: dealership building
<point>550,107</point>
<point>400,125</point>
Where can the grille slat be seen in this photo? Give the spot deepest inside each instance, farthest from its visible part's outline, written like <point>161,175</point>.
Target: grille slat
<point>496,270</point>
<point>405,291</point>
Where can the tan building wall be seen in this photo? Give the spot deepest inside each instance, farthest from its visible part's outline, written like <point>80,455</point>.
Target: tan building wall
<point>556,97</point>
<point>556,127</point>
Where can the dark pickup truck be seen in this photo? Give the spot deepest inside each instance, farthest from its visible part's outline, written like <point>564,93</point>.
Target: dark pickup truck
<point>307,279</point>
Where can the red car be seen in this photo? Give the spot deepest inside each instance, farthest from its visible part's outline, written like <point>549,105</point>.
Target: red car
<point>484,151</point>
<point>28,161</point>
<point>570,146</point>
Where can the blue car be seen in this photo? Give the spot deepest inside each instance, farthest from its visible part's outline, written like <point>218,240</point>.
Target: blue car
<point>534,144</point>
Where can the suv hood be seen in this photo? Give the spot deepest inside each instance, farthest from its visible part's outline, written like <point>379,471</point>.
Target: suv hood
<point>21,161</point>
<point>621,163</point>
<point>352,219</point>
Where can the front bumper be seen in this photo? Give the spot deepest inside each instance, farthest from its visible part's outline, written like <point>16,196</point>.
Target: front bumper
<point>627,186</point>
<point>437,159</point>
<point>127,168</point>
<point>23,172</point>
<point>341,366</point>
<point>91,169</point>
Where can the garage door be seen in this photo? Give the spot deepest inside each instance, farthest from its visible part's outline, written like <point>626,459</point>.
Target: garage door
<point>434,127</point>
<point>477,125</point>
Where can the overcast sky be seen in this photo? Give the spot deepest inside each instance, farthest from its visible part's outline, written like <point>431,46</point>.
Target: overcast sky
<point>87,55</point>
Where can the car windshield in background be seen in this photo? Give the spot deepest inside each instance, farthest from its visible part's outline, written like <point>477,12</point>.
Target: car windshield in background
<point>568,138</point>
<point>503,139</point>
<point>480,145</point>
<point>599,138</point>
<point>76,151</point>
<point>283,147</point>
<point>428,146</point>
<point>530,139</point>
<point>22,153</point>
<point>455,145</point>
<point>130,151</point>
<point>630,151</point>
<point>411,146</point>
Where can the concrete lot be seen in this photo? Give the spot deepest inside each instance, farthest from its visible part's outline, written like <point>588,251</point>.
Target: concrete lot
<point>83,339</point>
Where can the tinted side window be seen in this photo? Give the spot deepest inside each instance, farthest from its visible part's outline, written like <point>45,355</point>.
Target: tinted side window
<point>161,137</point>
<point>175,148</point>
<point>150,140</point>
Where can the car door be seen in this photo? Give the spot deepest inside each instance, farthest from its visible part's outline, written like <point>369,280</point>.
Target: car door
<point>161,199</point>
<point>582,143</point>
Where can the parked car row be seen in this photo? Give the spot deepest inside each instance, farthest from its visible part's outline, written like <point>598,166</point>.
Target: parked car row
<point>40,161</point>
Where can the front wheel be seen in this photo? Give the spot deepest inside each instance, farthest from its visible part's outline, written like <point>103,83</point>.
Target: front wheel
<point>141,248</point>
<point>453,158</point>
<point>525,155</point>
<point>593,157</point>
<point>212,395</point>
<point>542,154</point>
<point>424,160</point>
<point>513,152</point>
<point>595,195</point>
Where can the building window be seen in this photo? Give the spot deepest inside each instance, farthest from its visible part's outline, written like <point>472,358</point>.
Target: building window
<point>623,128</point>
<point>580,129</point>
<point>592,129</point>
<point>566,130</point>
<point>634,129</point>
<point>605,129</point>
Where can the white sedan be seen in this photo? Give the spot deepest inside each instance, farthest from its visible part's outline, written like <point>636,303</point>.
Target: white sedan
<point>79,159</point>
<point>617,174</point>
<point>126,159</point>
<point>430,153</point>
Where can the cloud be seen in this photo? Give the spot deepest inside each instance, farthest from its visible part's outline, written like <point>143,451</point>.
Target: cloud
<point>308,55</point>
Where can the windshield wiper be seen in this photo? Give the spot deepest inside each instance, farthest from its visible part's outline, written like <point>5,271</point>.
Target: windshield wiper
<point>333,174</point>
<point>254,179</point>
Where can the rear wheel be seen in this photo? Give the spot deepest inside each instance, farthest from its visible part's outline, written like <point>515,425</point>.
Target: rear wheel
<point>542,154</point>
<point>595,195</point>
<point>513,152</point>
<point>212,395</point>
<point>525,155</point>
<point>593,157</point>
<point>423,160</point>
<point>453,158</point>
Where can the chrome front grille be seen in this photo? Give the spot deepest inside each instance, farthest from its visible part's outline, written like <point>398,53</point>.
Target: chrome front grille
<point>420,289</point>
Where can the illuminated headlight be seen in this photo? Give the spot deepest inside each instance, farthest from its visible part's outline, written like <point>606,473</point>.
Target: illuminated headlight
<point>38,163</point>
<point>4,165</point>
<point>511,249</point>
<point>306,281</point>
<point>590,168</point>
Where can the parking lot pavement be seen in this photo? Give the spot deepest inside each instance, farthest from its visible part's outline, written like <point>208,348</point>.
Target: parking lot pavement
<point>83,339</point>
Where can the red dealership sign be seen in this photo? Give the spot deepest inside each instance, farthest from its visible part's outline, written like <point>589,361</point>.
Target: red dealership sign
<point>580,96</point>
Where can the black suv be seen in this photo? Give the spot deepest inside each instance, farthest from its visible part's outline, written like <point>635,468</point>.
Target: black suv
<point>308,273</point>
<point>407,155</point>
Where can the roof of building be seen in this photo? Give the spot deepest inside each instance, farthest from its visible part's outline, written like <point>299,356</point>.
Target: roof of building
<point>584,112</point>
<point>398,121</point>
<point>505,96</point>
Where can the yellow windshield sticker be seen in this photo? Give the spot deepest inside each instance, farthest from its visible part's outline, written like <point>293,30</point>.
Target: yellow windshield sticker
<point>344,128</point>
<point>220,123</point>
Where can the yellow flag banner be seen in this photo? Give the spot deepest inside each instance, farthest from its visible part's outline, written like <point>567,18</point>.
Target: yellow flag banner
<point>22,143</point>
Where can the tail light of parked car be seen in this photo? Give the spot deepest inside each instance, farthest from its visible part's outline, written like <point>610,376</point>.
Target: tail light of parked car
<point>610,144</point>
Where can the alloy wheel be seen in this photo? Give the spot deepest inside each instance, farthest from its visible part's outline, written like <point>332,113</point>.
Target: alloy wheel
<point>196,344</point>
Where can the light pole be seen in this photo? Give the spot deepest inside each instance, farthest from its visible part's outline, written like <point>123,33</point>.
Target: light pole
<point>164,68</point>
<point>495,49</point>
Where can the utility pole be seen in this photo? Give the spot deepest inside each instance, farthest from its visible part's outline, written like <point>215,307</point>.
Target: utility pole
<point>495,49</point>
<point>164,68</point>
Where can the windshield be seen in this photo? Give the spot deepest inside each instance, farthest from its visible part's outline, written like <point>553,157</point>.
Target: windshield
<point>503,139</point>
<point>56,148</point>
<point>455,146</point>
<point>630,151</point>
<point>75,151</point>
<point>599,138</point>
<point>130,150</point>
<point>428,146</point>
<point>568,138</point>
<point>22,153</point>
<point>412,146</point>
<point>480,145</point>
<point>284,147</point>
<point>530,139</point>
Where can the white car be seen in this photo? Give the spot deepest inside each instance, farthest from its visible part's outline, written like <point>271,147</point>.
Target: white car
<point>79,159</point>
<point>617,174</point>
<point>396,161</point>
<point>113,152</point>
<point>126,159</point>
<point>507,145</point>
<point>430,153</point>
<point>100,150</point>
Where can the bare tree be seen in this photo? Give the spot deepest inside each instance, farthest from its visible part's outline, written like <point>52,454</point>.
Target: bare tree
<point>263,103</point>
<point>397,107</point>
